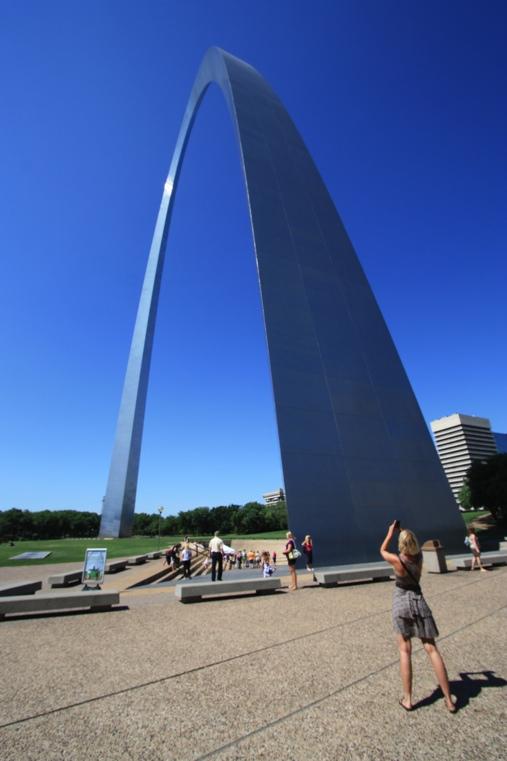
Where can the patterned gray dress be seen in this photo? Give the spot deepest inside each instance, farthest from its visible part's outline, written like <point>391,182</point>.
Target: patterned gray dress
<point>412,616</point>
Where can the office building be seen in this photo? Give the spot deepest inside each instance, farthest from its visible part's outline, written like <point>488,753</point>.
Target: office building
<point>460,440</point>
<point>271,497</point>
<point>501,442</point>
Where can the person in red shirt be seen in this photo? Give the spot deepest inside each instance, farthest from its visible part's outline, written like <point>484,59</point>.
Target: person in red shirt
<point>308,550</point>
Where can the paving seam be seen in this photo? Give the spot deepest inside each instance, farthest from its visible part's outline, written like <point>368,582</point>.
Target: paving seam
<point>232,658</point>
<point>318,701</point>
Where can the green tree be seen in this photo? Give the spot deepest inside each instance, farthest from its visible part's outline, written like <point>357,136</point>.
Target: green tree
<point>487,481</point>
<point>251,518</point>
<point>464,497</point>
<point>15,524</point>
<point>276,516</point>
<point>142,524</point>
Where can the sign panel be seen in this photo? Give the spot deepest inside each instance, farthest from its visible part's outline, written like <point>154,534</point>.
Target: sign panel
<point>94,566</point>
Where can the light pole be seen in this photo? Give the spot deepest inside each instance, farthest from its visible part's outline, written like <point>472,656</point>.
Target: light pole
<point>160,511</point>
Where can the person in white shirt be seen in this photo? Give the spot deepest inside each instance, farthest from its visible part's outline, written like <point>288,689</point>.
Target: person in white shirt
<point>216,547</point>
<point>186,558</point>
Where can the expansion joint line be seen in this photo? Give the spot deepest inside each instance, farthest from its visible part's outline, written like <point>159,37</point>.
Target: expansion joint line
<point>323,698</point>
<point>231,659</point>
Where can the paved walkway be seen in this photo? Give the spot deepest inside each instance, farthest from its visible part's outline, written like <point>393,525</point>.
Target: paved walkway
<point>310,674</point>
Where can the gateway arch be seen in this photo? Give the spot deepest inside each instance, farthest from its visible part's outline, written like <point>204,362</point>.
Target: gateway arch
<point>355,449</point>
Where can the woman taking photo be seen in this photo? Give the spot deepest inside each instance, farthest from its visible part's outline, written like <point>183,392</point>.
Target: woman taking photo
<point>412,616</point>
<point>289,552</point>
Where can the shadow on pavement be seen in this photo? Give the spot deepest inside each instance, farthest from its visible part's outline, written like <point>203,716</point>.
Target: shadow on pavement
<point>469,686</point>
<point>62,613</point>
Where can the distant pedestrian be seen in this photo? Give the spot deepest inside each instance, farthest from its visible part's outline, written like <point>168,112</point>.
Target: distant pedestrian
<point>412,616</point>
<point>216,548</point>
<point>175,557</point>
<point>267,568</point>
<point>475,549</point>
<point>273,557</point>
<point>307,546</point>
<point>291,553</point>
<point>186,558</point>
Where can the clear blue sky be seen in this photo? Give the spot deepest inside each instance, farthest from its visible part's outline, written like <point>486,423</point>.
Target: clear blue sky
<point>402,105</point>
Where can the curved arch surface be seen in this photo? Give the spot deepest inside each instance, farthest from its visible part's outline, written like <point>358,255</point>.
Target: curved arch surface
<point>355,449</point>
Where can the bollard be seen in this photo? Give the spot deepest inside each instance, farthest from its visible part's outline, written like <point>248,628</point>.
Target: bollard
<point>434,557</point>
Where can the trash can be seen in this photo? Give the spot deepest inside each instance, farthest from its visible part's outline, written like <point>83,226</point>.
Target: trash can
<point>434,557</point>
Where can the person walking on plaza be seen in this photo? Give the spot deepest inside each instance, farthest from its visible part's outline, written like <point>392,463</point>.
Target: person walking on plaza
<point>307,546</point>
<point>216,548</point>
<point>412,616</point>
<point>273,557</point>
<point>290,553</point>
<point>475,549</point>
<point>186,558</point>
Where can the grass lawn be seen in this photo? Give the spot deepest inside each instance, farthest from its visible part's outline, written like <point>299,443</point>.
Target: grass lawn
<point>473,515</point>
<point>73,550</point>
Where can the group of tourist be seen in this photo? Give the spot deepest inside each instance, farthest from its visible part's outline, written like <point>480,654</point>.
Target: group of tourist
<point>220,558</point>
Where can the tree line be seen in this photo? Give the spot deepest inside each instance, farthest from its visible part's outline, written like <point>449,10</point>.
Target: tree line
<point>486,486</point>
<point>201,521</point>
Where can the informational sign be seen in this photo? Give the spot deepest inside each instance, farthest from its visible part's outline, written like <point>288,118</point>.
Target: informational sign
<point>94,566</point>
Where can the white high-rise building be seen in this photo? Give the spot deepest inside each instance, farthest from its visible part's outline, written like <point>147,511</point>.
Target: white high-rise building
<point>460,440</point>
<point>271,497</point>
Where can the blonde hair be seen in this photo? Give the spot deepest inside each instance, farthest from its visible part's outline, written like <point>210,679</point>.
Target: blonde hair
<point>407,543</point>
<point>308,538</point>
<point>289,535</point>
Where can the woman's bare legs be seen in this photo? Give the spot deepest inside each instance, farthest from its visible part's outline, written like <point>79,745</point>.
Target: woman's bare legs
<point>405,648</point>
<point>440,671</point>
<point>293,576</point>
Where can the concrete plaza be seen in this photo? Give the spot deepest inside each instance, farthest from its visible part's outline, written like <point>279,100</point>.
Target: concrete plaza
<point>311,674</point>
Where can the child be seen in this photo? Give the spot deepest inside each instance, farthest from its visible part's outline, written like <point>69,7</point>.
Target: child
<point>267,568</point>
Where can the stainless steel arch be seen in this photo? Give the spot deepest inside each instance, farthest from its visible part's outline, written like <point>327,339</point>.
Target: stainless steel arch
<point>355,449</point>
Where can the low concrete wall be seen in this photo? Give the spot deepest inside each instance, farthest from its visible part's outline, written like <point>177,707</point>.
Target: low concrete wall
<point>54,601</point>
<point>191,592</point>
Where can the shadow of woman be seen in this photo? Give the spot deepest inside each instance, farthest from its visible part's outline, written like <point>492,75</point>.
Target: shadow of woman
<point>469,686</point>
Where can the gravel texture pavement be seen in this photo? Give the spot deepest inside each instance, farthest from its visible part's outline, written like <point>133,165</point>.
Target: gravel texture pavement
<point>307,674</point>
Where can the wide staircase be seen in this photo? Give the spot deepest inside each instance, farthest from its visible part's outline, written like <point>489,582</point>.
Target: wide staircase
<point>149,575</point>
<point>164,573</point>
